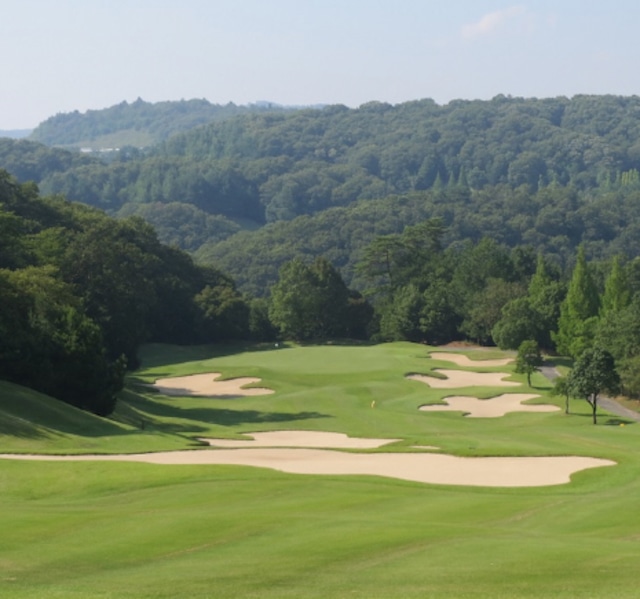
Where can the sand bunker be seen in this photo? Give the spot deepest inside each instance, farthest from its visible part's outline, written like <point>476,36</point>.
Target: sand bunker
<point>301,439</point>
<point>462,360</point>
<point>463,378</point>
<point>490,408</point>
<point>205,385</point>
<point>417,467</point>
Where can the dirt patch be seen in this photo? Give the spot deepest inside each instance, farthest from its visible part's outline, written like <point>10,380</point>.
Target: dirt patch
<point>205,385</point>
<point>464,378</point>
<point>493,407</point>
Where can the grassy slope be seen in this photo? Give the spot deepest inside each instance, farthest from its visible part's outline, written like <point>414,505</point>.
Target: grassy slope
<point>133,530</point>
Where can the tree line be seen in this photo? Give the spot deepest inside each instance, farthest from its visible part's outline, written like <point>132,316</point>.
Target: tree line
<point>551,173</point>
<point>80,291</point>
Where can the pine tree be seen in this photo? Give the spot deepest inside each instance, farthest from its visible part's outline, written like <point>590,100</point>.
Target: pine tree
<point>579,311</point>
<point>617,294</point>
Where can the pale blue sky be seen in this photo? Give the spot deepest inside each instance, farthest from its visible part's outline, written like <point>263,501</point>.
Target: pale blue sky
<point>64,55</point>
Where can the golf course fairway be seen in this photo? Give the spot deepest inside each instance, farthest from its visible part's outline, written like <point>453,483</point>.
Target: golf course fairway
<point>104,528</point>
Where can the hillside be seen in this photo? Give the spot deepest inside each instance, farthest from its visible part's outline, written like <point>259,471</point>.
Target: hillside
<point>138,124</point>
<point>548,173</point>
<point>33,422</point>
<point>553,220</point>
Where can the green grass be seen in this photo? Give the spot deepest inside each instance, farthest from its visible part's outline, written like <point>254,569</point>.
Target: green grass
<point>118,530</point>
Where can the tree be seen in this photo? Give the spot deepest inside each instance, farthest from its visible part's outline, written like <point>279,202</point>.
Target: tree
<point>594,373</point>
<point>400,317</point>
<point>292,301</point>
<point>579,311</point>
<point>487,309</point>
<point>545,297</point>
<point>331,301</point>
<point>619,333</point>
<point>312,301</point>
<point>562,386</point>
<point>224,313</point>
<point>529,359</point>
<point>519,322</point>
<point>617,294</point>
<point>439,320</point>
<point>50,345</point>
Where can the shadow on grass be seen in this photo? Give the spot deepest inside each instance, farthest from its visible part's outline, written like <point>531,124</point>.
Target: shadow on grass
<point>618,422</point>
<point>336,342</point>
<point>179,419</point>
<point>13,427</point>
<point>153,355</point>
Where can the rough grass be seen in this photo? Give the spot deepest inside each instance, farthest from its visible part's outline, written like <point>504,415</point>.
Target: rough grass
<point>107,530</point>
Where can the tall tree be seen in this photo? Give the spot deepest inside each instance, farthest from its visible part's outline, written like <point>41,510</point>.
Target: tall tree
<point>579,311</point>
<point>617,294</point>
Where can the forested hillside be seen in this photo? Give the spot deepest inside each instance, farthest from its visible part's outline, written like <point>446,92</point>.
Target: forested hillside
<point>547,173</point>
<point>270,166</point>
<point>138,124</point>
<point>553,220</point>
<point>80,291</point>
<point>415,221</point>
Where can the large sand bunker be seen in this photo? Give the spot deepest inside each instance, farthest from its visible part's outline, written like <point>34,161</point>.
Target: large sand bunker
<point>417,467</point>
<point>301,439</point>
<point>493,407</point>
<point>462,360</point>
<point>464,378</point>
<point>205,385</point>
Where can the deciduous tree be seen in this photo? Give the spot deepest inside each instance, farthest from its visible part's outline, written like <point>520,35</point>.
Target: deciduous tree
<point>529,359</point>
<point>594,372</point>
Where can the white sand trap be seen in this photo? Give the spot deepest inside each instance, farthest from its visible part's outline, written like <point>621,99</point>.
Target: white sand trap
<point>301,439</point>
<point>205,385</point>
<point>493,407</point>
<point>418,467</point>
<point>462,360</point>
<point>464,378</point>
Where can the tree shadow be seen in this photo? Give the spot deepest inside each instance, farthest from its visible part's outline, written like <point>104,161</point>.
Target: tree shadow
<point>336,342</point>
<point>617,422</point>
<point>173,417</point>
<point>154,355</point>
<point>21,429</point>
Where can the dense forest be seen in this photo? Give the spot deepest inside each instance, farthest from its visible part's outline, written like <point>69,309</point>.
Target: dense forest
<point>550,173</point>
<point>80,291</point>
<point>501,222</point>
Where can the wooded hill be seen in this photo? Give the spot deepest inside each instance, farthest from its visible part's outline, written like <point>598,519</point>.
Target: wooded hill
<point>138,124</point>
<point>501,222</point>
<point>80,291</point>
<point>548,173</point>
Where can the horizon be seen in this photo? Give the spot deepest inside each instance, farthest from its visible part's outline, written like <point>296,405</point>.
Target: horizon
<point>87,55</point>
<point>315,105</point>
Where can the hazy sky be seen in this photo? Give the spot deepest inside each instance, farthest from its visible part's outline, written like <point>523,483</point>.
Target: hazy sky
<point>64,55</point>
